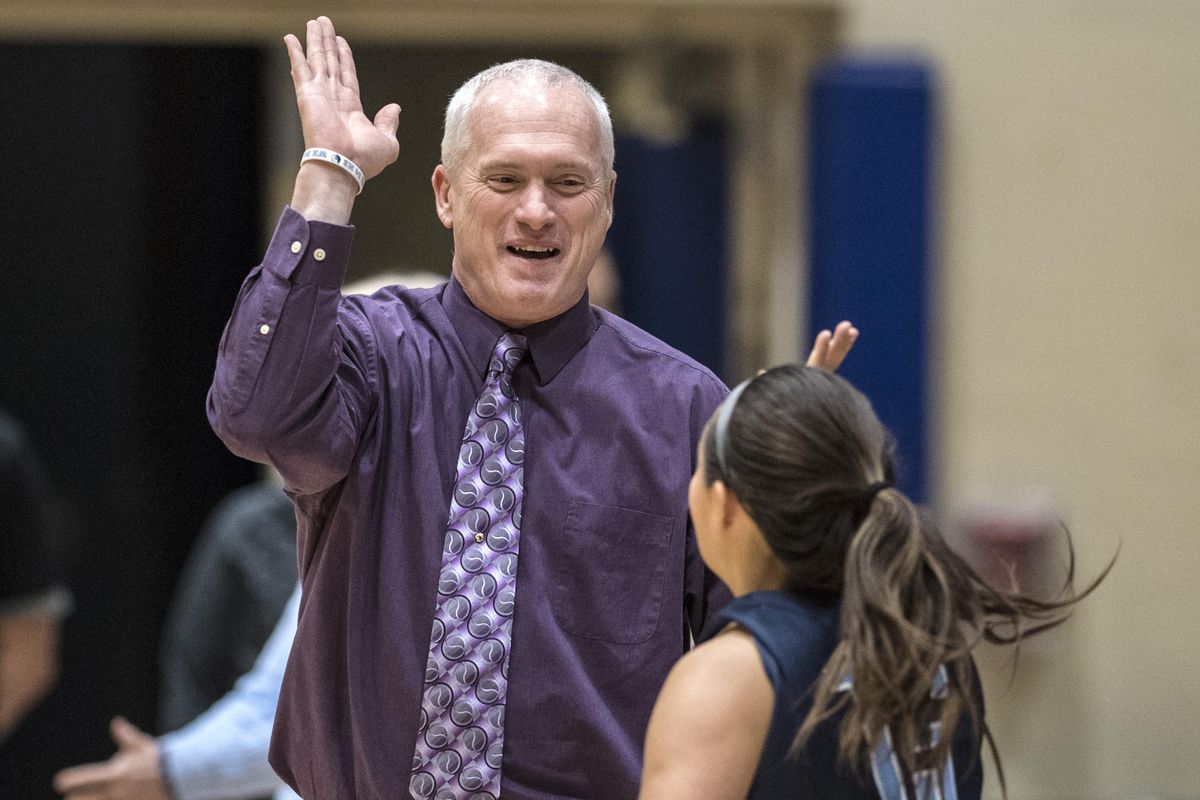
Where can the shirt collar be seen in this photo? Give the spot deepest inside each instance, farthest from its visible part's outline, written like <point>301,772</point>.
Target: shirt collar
<point>552,342</point>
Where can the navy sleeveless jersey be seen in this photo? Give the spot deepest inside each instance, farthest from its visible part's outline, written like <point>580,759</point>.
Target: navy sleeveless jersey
<point>795,638</point>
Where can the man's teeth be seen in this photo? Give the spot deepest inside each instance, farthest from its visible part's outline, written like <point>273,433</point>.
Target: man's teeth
<point>533,251</point>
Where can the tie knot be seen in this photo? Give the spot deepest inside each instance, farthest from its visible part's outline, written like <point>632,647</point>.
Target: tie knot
<point>509,352</point>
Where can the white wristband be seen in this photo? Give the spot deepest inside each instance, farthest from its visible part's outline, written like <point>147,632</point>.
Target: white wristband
<point>337,159</point>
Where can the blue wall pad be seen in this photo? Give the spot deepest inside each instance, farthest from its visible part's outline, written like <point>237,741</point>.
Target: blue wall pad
<point>871,137</point>
<point>668,239</point>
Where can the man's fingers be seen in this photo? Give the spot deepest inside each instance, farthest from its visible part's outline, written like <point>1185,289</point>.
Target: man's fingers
<point>300,69</point>
<point>348,75</point>
<point>329,48</point>
<point>314,49</point>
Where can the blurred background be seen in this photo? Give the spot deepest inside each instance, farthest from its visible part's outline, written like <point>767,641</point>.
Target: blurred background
<point>1005,197</point>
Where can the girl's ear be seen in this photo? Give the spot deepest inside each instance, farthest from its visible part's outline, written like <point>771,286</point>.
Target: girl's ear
<point>727,501</point>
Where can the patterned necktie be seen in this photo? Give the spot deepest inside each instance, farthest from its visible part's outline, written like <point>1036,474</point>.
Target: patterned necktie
<point>461,739</point>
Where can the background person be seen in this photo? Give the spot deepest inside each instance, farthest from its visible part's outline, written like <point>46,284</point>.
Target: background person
<point>842,668</point>
<point>220,755</point>
<point>33,598</point>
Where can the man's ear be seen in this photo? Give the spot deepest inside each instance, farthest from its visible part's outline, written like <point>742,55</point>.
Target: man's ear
<point>441,196</point>
<point>612,190</point>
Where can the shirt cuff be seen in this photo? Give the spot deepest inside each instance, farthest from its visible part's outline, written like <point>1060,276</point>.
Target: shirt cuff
<point>217,756</point>
<point>168,767</point>
<point>164,771</point>
<point>313,253</point>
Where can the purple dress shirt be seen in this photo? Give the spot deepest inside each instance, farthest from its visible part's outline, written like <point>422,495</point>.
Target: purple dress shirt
<point>360,403</point>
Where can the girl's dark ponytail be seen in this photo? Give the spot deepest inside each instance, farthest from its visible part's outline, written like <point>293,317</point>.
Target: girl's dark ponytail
<point>902,611</point>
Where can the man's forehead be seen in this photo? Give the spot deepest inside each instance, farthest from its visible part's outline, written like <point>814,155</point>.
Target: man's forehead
<point>527,89</point>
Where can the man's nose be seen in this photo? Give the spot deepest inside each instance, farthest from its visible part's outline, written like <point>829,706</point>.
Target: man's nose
<point>535,208</point>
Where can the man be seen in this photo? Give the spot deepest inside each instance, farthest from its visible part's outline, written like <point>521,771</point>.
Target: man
<point>514,646</point>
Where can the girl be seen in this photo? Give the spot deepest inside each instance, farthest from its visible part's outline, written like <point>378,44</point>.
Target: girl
<point>842,668</point>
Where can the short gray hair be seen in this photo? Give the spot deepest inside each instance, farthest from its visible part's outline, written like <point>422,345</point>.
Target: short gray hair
<point>545,74</point>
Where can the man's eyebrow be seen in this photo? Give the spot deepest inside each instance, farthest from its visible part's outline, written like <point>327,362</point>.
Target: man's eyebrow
<point>561,166</point>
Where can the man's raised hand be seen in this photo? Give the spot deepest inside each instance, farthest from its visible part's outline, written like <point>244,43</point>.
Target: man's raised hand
<point>331,112</point>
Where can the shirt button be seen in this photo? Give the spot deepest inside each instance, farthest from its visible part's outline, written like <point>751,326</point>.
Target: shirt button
<point>319,254</point>
<point>479,538</point>
<point>264,330</point>
<point>297,247</point>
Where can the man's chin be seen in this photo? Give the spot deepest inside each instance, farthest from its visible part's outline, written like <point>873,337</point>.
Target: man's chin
<point>530,307</point>
<point>518,303</point>
<point>532,300</point>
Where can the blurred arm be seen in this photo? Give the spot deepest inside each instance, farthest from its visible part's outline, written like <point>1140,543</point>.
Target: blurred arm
<point>28,663</point>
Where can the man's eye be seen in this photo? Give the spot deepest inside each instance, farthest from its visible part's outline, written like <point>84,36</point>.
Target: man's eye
<point>502,180</point>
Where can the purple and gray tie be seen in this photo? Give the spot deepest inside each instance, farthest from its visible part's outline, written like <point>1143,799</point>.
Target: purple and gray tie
<point>461,739</point>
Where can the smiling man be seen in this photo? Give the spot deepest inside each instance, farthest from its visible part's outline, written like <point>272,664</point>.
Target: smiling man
<point>491,612</point>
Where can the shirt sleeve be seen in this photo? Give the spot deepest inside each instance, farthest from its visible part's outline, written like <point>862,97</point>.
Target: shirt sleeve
<point>291,385</point>
<point>222,754</point>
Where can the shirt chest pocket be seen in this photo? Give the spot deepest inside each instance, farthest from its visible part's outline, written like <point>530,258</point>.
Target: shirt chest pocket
<point>610,573</point>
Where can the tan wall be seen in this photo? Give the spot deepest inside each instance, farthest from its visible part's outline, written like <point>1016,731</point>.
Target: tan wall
<point>1069,329</point>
